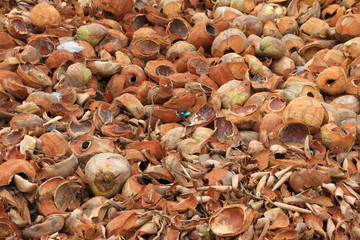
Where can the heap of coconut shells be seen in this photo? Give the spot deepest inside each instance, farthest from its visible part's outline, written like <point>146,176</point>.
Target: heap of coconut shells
<point>180,119</point>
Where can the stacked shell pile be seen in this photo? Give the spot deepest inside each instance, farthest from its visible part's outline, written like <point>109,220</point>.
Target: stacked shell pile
<point>180,119</point>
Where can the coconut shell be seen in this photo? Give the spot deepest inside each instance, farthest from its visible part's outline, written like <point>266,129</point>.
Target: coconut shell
<point>307,110</point>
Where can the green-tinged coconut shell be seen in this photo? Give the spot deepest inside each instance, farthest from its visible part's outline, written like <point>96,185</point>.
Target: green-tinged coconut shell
<point>234,91</point>
<point>91,33</point>
<point>106,173</point>
<point>271,47</point>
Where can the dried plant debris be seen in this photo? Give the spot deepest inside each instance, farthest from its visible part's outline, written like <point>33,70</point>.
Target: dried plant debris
<point>172,119</point>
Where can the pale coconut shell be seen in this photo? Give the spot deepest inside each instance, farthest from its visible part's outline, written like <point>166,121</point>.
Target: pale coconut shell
<point>307,110</point>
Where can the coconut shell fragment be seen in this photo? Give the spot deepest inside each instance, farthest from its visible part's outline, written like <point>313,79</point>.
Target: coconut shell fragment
<point>293,133</point>
<point>53,143</point>
<point>332,80</point>
<point>231,220</point>
<point>45,15</point>
<point>10,168</point>
<point>307,110</point>
<point>304,179</point>
<point>65,168</point>
<point>52,224</point>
